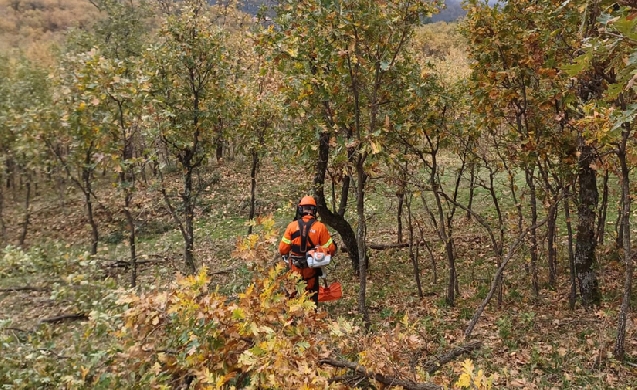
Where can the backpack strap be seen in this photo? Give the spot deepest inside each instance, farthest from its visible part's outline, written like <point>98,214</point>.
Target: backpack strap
<point>306,241</point>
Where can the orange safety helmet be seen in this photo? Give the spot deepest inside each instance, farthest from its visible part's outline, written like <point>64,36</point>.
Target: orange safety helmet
<point>305,202</point>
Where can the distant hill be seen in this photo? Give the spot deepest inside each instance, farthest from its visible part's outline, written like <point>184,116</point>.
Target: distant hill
<point>452,12</point>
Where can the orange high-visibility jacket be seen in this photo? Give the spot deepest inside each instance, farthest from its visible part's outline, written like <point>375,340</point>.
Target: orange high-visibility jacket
<point>318,236</point>
<point>291,244</point>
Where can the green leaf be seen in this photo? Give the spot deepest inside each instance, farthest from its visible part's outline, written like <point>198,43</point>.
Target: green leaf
<point>582,62</point>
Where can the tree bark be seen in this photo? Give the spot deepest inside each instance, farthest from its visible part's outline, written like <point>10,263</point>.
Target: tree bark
<point>342,206</point>
<point>189,239</point>
<point>551,233</point>
<point>253,186</point>
<point>572,298</point>
<point>86,177</point>
<point>335,221</point>
<point>27,213</point>
<point>361,177</point>
<point>400,194</point>
<point>619,350</point>
<point>530,182</point>
<point>132,236</point>
<point>603,207</point>
<point>413,254</point>
<point>586,245</point>
<point>3,227</point>
<point>472,185</point>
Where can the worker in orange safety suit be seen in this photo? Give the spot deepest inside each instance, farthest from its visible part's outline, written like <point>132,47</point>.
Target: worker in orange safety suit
<point>302,235</point>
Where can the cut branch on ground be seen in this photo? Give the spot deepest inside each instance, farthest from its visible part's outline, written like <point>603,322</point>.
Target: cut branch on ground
<point>381,378</point>
<point>434,364</point>
<point>65,317</point>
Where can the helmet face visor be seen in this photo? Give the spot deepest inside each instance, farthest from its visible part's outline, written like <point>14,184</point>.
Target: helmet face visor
<point>307,210</point>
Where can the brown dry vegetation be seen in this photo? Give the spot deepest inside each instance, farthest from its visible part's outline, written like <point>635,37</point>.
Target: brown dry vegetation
<point>31,26</point>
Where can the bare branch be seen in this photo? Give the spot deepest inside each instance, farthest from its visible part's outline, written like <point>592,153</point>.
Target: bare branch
<point>64,317</point>
<point>440,360</point>
<point>386,380</point>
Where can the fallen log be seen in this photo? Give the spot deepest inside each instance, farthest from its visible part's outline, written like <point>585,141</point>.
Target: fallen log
<point>384,379</point>
<point>25,288</point>
<point>65,317</point>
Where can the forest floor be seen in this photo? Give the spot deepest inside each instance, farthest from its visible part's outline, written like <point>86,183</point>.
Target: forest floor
<point>528,342</point>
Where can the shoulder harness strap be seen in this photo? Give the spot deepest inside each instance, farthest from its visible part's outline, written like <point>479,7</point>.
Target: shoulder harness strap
<point>304,229</point>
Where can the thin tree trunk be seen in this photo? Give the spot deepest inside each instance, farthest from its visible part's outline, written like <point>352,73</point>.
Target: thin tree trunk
<point>253,186</point>
<point>472,184</point>
<point>189,221</point>
<point>342,206</point>
<point>3,227</point>
<point>432,258</point>
<point>628,256</point>
<point>127,181</point>
<point>603,207</point>
<point>619,228</point>
<point>586,245</point>
<point>400,194</point>
<point>413,256</point>
<point>86,176</point>
<point>551,233</point>
<point>27,214</point>
<point>333,194</point>
<point>132,235</point>
<point>362,235</point>
<point>219,142</point>
<point>572,298</point>
<point>530,182</point>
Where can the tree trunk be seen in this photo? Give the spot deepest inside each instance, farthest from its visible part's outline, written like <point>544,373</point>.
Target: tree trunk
<point>413,256</point>
<point>362,235</point>
<point>86,176</point>
<point>342,206</point>
<point>530,182</point>
<point>572,298</point>
<point>432,258</point>
<point>619,228</point>
<point>603,207</point>
<point>335,221</point>
<point>551,233</point>
<point>3,227</point>
<point>585,245</point>
<point>8,168</point>
<point>189,239</point>
<point>253,186</point>
<point>400,194</point>
<point>451,287</point>
<point>472,184</point>
<point>334,194</point>
<point>127,181</point>
<point>131,236</point>
<point>219,142</point>
<point>628,256</point>
<point>27,213</point>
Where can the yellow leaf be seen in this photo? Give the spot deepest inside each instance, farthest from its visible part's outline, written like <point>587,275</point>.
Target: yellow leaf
<point>464,380</point>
